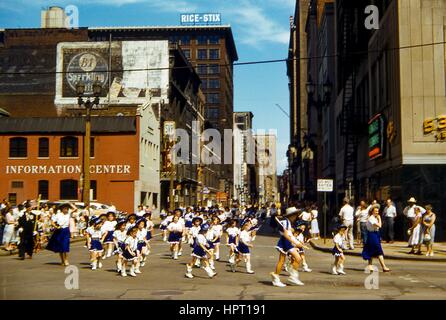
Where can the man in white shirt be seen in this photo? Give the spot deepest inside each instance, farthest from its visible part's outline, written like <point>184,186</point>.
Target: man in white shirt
<point>409,211</point>
<point>347,216</point>
<point>362,214</point>
<point>389,214</point>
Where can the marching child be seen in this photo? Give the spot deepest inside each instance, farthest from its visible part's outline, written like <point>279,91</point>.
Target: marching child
<point>217,230</point>
<point>164,224</point>
<point>299,235</point>
<point>109,227</point>
<point>193,234</point>
<point>201,252</point>
<point>131,221</point>
<point>149,226</point>
<point>338,253</point>
<point>95,237</point>
<point>175,229</point>
<point>243,248</point>
<point>119,236</point>
<point>130,254</point>
<point>142,244</point>
<point>232,234</point>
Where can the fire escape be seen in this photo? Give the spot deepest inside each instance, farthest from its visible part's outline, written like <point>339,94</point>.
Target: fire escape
<point>353,116</point>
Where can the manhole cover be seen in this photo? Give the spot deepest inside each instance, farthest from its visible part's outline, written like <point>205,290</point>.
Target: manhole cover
<point>167,293</point>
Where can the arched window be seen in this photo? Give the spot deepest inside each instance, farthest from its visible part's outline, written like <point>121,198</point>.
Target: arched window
<point>68,190</point>
<point>69,147</point>
<point>44,148</point>
<point>18,148</point>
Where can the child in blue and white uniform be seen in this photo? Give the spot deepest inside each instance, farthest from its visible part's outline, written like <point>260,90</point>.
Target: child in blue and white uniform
<point>200,252</point>
<point>131,221</point>
<point>217,230</point>
<point>287,246</point>
<point>95,237</point>
<point>175,229</point>
<point>299,232</point>
<point>338,252</point>
<point>149,226</point>
<point>141,235</point>
<point>130,252</point>
<point>164,224</point>
<point>109,227</point>
<point>188,217</point>
<point>232,234</point>
<point>243,248</point>
<point>119,236</point>
<point>211,238</point>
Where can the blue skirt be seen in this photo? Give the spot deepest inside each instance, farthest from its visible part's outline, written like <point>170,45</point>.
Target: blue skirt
<point>198,252</point>
<point>243,248</point>
<point>188,224</point>
<point>231,239</point>
<point>127,256</point>
<point>284,246</point>
<point>60,241</point>
<point>175,237</point>
<point>140,246</point>
<point>210,245</point>
<point>109,237</point>
<point>163,227</point>
<point>217,241</point>
<point>336,252</point>
<point>149,235</point>
<point>372,248</point>
<point>96,245</point>
<point>120,249</point>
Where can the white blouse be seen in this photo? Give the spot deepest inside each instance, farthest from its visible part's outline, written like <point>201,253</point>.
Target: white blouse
<point>62,220</point>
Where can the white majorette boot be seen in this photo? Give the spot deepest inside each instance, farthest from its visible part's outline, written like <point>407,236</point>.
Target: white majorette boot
<point>233,267</point>
<point>333,270</point>
<point>189,272</point>
<point>248,268</point>
<point>305,268</point>
<point>231,258</point>
<point>209,271</point>
<point>94,265</point>
<point>276,280</point>
<point>340,270</point>
<point>211,264</point>
<point>132,271</point>
<point>287,265</point>
<point>109,253</point>
<point>118,267</point>
<point>175,255</point>
<point>123,273</point>
<point>198,263</point>
<point>294,277</point>
<point>180,253</point>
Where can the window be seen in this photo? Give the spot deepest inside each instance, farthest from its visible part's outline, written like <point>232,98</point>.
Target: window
<point>44,148</point>
<point>91,147</point>
<point>214,54</point>
<point>17,184</point>
<point>204,84</point>
<point>202,69</point>
<point>214,83</point>
<point>68,147</point>
<point>202,40</point>
<point>185,40</point>
<point>186,53</point>
<point>12,198</point>
<point>93,186</point>
<point>43,189</point>
<point>18,148</point>
<point>213,98</point>
<point>68,189</point>
<point>213,113</point>
<point>202,54</point>
<point>214,39</point>
<point>214,69</point>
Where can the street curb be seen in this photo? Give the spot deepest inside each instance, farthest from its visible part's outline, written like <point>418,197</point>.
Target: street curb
<point>390,257</point>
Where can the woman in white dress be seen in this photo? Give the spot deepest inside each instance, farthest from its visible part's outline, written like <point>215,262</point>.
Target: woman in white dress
<point>416,235</point>
<point>8,233</point>
<point>314,223</point>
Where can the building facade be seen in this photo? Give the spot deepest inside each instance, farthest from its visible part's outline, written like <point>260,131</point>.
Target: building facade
<point>43,156</point>
<point>266,168</point>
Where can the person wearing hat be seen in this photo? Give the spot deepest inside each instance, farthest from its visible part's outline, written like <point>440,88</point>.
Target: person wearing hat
<point>119,237</point>
<point>338,252</point>
<point>287,246</point>
<point>60,240</point>
<point>130,252</point>
<point>409,211</point>
<point>175,229</point>
<point>95,238</point>
<point>26,225</point>
<point>131,221</point>
<point>244,247</point>
<point>200,251</point>
<point>299,230</point>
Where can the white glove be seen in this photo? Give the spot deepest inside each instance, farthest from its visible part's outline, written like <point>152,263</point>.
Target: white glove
<point>35,233</point>
<point>20,230</point>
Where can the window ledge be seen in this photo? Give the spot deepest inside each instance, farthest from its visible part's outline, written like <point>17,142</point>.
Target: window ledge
<point>68,158</point>
<point>17,158</point>
<point>43,158</point>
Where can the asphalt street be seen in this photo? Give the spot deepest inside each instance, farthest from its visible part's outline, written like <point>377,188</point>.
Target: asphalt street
<point>163,278</point>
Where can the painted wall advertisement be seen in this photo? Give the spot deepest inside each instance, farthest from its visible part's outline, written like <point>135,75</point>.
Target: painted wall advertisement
<point>128,71</point>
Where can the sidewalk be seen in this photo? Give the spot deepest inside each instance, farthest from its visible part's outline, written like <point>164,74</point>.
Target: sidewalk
<point>396,251</point>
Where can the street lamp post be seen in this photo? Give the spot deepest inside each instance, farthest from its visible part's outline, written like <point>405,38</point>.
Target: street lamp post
<point>89,105</point>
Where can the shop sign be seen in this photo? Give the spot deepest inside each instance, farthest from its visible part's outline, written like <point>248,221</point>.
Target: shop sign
<point>376,136</point>
<point>436,126</point>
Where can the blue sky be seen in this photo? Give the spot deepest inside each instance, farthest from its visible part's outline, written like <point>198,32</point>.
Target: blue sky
<point>261,32</point>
